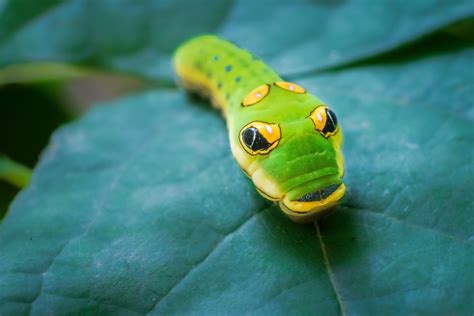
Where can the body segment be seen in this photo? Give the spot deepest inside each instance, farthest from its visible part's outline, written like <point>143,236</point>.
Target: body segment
<point>285,139</point>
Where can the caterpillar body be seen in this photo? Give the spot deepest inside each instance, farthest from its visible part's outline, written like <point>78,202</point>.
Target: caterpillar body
<point>284,139</point>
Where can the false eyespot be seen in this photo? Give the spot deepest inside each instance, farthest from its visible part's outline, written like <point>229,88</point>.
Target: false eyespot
<point>289,86</point>
<point>259,138</point>
<point>256,95</point>
<point>324,120</point>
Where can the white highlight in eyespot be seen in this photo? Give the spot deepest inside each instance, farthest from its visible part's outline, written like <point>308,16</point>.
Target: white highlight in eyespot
<point>258,95</point>
<point>269,129</point>
<point>253,139</point>
<point>291,87</point>
<point>320,118</point>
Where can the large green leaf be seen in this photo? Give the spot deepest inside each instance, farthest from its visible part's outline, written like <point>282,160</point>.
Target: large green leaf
<point>140,208</point>
<point>139,36</point>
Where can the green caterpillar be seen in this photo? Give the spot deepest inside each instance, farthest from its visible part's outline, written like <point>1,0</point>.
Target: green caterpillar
<point>284,139</point>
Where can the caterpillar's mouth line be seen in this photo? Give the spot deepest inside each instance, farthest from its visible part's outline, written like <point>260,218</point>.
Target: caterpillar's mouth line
<point>320,194</point>
<point>312,206</point>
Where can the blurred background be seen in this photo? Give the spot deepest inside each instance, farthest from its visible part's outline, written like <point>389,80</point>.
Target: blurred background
<point>31,110</point>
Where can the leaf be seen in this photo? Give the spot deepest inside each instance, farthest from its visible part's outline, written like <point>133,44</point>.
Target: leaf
<point>140,208</point>
<point>293,36</point>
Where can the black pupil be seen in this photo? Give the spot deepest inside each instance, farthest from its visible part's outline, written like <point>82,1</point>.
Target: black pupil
<point>254,140</point>
<point>331,122</point>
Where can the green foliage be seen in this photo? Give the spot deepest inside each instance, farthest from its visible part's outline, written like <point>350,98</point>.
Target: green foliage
<point>14,172</point>
<point>140,208</point>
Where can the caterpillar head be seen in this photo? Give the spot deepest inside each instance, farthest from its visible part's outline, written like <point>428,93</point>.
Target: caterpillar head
<point>291,148</point>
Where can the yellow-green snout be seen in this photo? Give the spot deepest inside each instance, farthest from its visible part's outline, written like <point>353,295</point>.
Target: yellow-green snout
<point>315,204</point>
<point>307,168</point>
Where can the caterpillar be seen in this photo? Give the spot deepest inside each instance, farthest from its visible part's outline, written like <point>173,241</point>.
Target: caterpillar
<point>287,141</point>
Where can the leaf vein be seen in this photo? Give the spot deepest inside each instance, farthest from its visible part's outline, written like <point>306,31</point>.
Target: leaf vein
<point>329,270</point>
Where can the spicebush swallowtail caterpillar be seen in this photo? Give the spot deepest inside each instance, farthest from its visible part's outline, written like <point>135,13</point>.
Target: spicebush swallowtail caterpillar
<point>284,139</point>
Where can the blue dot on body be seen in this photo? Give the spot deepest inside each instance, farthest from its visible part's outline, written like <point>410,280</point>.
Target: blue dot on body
<point>237,79</point>
<point>228,68</point>
<point>216,57</point>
